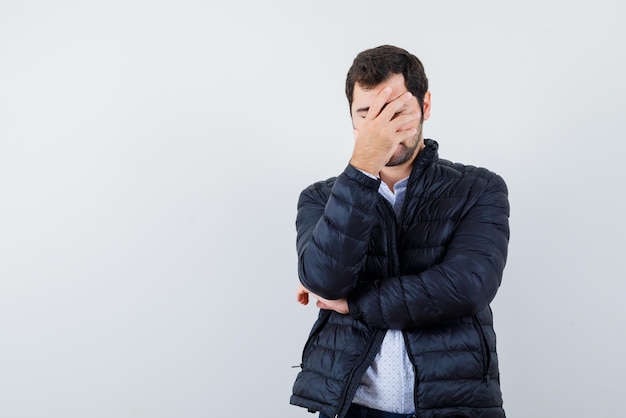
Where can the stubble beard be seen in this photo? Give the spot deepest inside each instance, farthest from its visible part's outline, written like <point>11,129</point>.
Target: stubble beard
<point>405,152</point>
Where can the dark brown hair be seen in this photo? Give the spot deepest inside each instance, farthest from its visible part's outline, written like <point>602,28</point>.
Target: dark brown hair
<point>373,66</point>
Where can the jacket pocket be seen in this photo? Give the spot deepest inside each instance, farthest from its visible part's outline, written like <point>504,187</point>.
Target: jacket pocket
<point>485,352</point>
<point>315,330</point>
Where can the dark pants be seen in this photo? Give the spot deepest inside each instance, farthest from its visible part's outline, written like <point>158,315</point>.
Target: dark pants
<point>358,411</point>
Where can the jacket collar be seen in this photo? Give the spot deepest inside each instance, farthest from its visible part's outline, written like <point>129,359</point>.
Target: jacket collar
<point>428,155</point>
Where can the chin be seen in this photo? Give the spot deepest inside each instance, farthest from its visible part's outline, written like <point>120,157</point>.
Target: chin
<point>403,155</point>
<point>398,159</point>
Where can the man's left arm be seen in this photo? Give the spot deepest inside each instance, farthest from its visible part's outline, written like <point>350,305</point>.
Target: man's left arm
<point>465,281</point>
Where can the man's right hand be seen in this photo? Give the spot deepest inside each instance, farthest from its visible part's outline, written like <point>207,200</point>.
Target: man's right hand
<point>386,124</point>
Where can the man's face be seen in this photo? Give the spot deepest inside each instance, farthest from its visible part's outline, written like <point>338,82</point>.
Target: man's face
<point>362,99</point>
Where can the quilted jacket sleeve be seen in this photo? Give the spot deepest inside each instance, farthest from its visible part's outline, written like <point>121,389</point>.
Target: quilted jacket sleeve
<point>465,281</point>
<point>333,232</point>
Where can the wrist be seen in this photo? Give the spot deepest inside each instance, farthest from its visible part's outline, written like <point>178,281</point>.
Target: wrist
<point>367,169</point>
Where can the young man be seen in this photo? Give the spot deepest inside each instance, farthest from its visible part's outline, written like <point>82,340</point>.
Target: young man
<point>403,251</point>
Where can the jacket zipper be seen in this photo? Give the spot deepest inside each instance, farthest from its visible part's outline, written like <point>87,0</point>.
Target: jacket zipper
<point>392,231</point>
<point>374,345</point>
<point>357,373</point>
<point>416,382</point>
<point>394,271</point>
<point>485,354</point>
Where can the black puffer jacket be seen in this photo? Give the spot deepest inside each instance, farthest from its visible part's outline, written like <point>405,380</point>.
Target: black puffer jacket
<point>432,275</point>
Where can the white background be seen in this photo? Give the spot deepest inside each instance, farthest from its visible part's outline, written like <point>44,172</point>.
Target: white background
<point>152,153</point>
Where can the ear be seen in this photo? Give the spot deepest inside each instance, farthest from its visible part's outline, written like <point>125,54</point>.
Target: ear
<point>426,111</point>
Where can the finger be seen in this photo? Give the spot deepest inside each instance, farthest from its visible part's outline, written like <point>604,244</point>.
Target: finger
<point>395,107</point>
<point>404,122</point>
<point>303,298</point>
<point>409,108</point>
<point>378,104</point>
<point>401,136</point>
<point>410,133</point>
